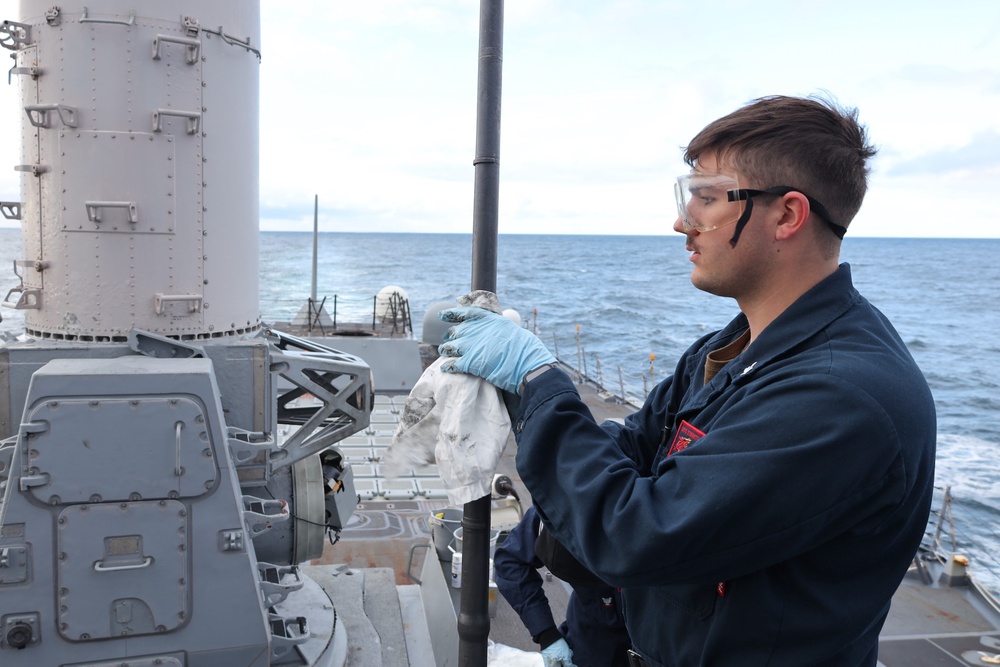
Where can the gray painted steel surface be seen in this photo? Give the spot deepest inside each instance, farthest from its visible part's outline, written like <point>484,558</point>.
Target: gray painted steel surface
<point>139,155</point>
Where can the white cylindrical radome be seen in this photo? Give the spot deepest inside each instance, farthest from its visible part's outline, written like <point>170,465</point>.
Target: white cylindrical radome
<point>139,168</point>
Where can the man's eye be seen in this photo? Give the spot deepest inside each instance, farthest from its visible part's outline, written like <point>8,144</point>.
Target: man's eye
<point>705,199</point>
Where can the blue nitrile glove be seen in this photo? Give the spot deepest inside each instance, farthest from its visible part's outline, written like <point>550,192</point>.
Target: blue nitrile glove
<point>558,654</point>
<point>490,346</point>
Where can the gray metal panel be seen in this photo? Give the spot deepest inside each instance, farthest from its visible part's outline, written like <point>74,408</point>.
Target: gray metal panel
<point>105,434</point>
<point>248,395</point>
<point>230,192</point>
<point>109,555</point>
<point>442,620</point>
<point>89,198</point>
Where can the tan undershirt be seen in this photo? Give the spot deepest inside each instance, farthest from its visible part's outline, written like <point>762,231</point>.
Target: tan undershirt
<point>719,358</point>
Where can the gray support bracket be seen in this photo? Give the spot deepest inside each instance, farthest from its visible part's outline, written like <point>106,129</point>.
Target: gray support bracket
<point>14,35</point>
<point>161,347</point>
<point>38,114</point>
<point>278,581</point>
<point>245,449</point>
<point>342,383</point>
<point>11,209</point>
<point>286,633</point>
<point>260,515</point>
<point>29,299</point>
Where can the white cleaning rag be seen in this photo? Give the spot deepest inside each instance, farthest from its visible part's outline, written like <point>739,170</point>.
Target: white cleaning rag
<point>456,420</point>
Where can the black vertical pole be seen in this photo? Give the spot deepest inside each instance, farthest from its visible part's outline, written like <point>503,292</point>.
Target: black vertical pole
<point>473,618</point>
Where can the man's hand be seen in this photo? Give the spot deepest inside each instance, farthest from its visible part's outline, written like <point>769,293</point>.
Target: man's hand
<point>558,654</point>
<point>491,347</point>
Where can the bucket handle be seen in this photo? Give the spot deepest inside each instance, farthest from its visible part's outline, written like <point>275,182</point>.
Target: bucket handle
<point>409,564</point>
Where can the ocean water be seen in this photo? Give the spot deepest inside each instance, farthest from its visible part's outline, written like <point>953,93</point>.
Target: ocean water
<point>610,302</point>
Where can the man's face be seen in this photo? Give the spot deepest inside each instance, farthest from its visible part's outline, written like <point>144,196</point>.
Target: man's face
<point>720,268</point>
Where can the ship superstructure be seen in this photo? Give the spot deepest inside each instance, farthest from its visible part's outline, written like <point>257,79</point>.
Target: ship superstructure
<point>150,513</point>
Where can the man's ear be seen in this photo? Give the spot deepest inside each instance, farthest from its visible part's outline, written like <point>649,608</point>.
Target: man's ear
<point>795,210</point>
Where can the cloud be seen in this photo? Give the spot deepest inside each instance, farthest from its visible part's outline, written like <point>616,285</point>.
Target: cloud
<point>946,76</point>
<point>982,153</point>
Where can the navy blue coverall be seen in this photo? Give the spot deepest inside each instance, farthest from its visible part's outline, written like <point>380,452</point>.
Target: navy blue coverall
<point>764,517</point>
<point>594,627</point>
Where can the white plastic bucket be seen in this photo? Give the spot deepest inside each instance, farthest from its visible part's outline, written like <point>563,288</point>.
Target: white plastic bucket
<point>443,524</point>
<point>494,534</point>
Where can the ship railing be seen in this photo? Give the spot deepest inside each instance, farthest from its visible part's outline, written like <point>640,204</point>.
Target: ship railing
<point>626,388</point>
<point>337,314</point>
<point>948,540</point>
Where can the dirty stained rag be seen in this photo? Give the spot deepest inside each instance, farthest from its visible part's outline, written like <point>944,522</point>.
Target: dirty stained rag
<point>456,420</point>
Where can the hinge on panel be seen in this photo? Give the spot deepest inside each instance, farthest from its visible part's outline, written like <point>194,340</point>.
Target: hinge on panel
<point>33,72</point>
<point>28,481</point>
<point>53,16</point>
<point>190,25</point>
<point>35,169</point>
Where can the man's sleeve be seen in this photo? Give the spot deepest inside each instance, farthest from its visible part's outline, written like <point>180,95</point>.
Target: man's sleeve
<point>516,570</point>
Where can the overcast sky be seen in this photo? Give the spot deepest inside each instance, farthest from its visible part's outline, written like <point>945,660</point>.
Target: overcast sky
<point>372,106</point>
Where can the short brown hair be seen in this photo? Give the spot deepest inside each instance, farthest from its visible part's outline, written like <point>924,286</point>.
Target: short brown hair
<point>810,143</point>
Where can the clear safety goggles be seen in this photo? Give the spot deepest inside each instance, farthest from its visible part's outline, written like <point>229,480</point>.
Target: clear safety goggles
<point>703,201</point>
<point>710,201</point>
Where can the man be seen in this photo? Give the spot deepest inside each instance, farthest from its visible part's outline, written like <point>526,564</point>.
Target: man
<point>593,634</point>
<point>763,505</point>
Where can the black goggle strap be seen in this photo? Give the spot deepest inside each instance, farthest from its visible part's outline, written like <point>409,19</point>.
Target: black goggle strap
<point>746,194</point>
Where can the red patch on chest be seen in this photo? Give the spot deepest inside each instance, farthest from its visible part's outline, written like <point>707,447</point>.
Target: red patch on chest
<point>686,435</point>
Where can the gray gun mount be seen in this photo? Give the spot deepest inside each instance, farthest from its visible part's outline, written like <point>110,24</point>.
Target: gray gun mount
<point>144,514</point>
